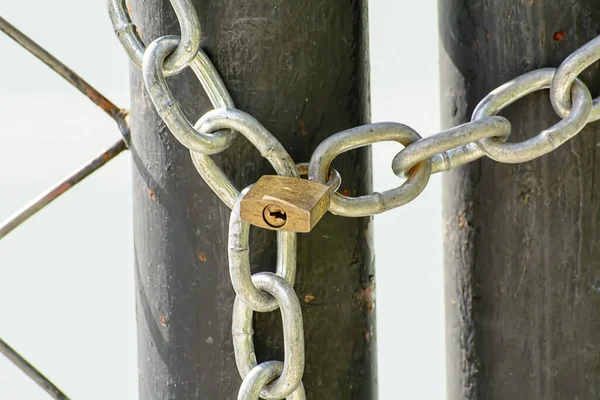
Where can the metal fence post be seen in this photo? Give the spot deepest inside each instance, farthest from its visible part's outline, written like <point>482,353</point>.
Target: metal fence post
<point>301,68</point>
<point>522,280</point>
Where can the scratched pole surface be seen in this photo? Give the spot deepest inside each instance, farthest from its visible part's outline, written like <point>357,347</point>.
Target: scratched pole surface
<point>521,248</point>
<point>301,68</point>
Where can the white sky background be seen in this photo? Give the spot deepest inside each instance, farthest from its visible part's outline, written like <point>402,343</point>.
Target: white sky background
<point>66,276</point>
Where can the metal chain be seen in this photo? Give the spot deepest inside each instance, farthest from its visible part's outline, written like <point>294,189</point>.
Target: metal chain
<point>547,140</point>
<point>212,134</point>
<point>187,47</point>
<point>283,293</point>
<point>485,135</point>
<point>374,203</point>
<point>262,374</point>
<point>168,108</point>
<point>450,148</point>
<point>569,70</point>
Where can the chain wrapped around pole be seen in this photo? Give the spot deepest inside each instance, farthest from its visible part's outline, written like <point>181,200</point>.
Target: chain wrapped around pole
<point>485,135</point>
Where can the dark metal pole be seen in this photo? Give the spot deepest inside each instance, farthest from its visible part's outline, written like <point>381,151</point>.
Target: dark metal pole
<point>522,260</point>
<point>301,68</point>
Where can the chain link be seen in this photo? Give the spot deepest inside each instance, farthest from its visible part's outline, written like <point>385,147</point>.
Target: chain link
<point>444,147</point>
<point>335,179</point>
<point>485,135</point>
<point>259,376</point>
<point>128,35</point>
<point>239,262</point>
<point>293,333</point>
<point>568,72</point>
<point>547,140</point>
<point>374,203</point>
<point>168,108</point>
<point>268,146</point>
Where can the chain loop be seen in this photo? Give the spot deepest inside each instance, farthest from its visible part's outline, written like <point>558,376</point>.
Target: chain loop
<point>186,49</point>
<point>260,376</point>
<point>374,203</point>
<point>568,71</point>
<point>293,333</point>
<point>335,179</point>
<point>168,108</point>
<point>443,149</point>
<point>548,139</point>
<point>239,261</point>
<point>241,122</point>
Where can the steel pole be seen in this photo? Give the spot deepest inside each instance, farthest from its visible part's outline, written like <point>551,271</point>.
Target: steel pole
<point>522,281</point>
<point>301,68</point>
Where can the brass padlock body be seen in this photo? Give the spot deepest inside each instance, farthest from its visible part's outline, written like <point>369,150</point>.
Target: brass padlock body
<point>283,203</point>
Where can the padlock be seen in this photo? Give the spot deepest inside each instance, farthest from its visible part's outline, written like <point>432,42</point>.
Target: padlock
<point>284,203</point>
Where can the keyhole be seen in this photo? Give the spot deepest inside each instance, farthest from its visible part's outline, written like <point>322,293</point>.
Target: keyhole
<point>277,215</point>
<point>274,216</point>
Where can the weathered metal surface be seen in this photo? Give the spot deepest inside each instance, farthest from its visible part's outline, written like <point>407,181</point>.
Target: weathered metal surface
<point>522,297</point>
<point>279,63</point>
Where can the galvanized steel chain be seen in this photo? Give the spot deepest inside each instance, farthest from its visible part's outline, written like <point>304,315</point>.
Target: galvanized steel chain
<point>288,204</point>
<point>213,133</point>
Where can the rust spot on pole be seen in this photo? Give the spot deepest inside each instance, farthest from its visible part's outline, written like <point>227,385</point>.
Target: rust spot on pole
<point>462,221</point>
<point>558,36</point>
<point>302,126</point>
<point>367,295</point>
<point>151,194</point>
<point>309,298</point>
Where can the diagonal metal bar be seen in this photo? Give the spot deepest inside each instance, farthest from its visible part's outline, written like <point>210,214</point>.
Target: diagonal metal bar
<point>53,193</point>
<point>116,113</point>
<point>120,117</point>
<point>31,371</point>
